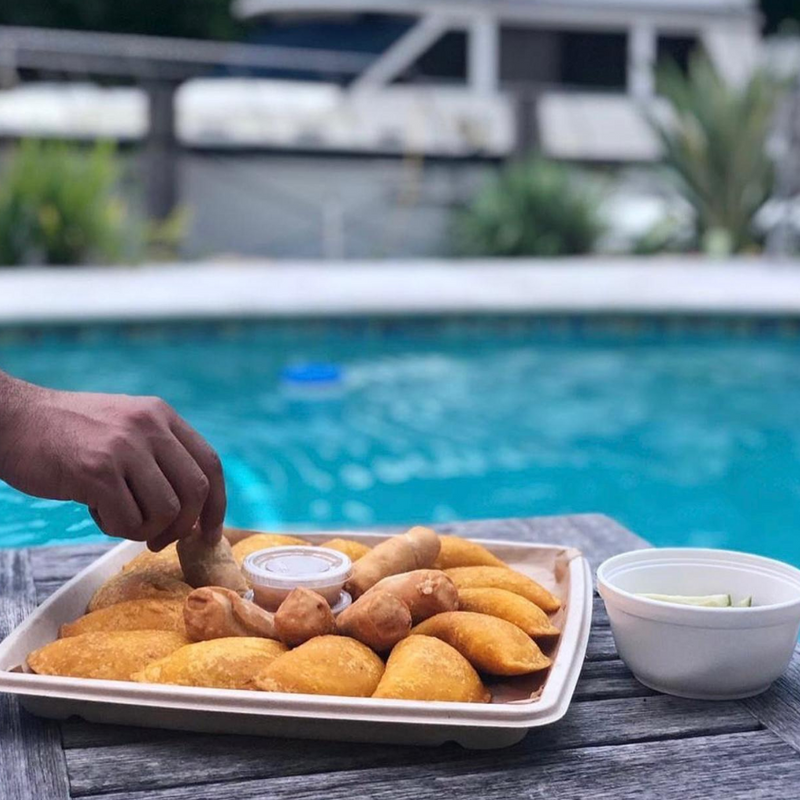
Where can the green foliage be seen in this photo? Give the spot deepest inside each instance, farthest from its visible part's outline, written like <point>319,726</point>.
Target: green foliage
<point>532,208</point>
<point>58,204</point>
<point>201,19</point>
<point>714,141</point>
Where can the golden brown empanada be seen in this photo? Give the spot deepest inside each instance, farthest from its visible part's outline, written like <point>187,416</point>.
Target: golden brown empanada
<point>108,655</point>
<point>352,549</point>
<point>303,615</point>
<point>236,535</point>
<point>213,612</point>
<point>425,668</point>
<point>138,584</point>
<point>335,665</point>
<point>230,663</point>
<point>132,615</point>
<point>503,578</point>
<point>425,591</point>
<point>490,644</point>
<point>261,541</point>
<point>207,564</point>
<point>417,548</point>
<point>510,607</point>
<point>458,552</point>
<point>166,561</point>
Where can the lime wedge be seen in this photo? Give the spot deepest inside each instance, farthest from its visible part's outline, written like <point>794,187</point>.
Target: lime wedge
<point>709,600</point>
<point>744,603</point>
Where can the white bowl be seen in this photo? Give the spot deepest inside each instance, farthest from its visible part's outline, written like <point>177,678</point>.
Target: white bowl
<point>699,652</point>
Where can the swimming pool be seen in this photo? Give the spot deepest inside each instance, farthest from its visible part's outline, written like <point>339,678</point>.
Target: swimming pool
<point>686,435</point>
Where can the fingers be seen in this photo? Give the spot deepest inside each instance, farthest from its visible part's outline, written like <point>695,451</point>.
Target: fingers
<point>157,500</point>
<point>189,483</point>
<point>215,504</point>
<point>117,513</point>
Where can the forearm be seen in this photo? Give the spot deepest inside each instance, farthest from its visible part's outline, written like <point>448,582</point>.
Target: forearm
<point>15,397</point>
<point>142,471</point>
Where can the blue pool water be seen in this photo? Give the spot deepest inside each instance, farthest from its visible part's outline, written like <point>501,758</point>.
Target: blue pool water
<point>686,438</point>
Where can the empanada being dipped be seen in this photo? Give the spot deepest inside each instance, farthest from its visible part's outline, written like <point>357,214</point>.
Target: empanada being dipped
<point>139,584</point>
<point>504,578</point>
<point>230,663</point>
<point>425,668</point>
<point>114,656</point>
<point>458,552</point>
<point>206,564</point>
<point>166,561</point>
<point>510,607</point>
<point>334,665</point>
<point>132,615</point>
<point>261,541</point>
<point>490,644</point>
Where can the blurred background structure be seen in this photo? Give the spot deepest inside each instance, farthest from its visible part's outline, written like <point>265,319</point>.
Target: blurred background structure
<point>359,129</point>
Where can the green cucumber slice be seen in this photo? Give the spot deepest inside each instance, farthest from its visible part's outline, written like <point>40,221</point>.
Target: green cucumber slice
<point>709,600</point>
<point>744,603</point>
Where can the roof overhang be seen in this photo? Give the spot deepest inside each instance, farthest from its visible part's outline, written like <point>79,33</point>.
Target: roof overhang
<point>667,14</point>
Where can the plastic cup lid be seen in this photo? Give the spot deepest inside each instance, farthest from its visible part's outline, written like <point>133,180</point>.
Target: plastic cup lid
<point>344,601</point>
<point>296,566</point>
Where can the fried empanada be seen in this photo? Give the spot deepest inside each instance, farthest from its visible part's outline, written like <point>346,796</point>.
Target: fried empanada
<point>207,564</point>
<point>236,535</point>
<point>261,541</point>
<point>302,616</point>
<point>352,549</point>
<point>213,612</point>
<point>458,552</point>
<point>490,644</point>
<point>417,548</point>
<point>504,578</point>
<point>230,663</point>
<point>425,591</point>
<point>510,607</point>
<point>109,655</point>
<point>425,668</point>
<point>138,584</point>
<point>166,562</point>
<point>379,621</point>
<point>335,665</point>
<point>132,615</point>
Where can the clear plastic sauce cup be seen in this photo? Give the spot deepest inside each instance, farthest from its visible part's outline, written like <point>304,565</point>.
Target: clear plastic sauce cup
<point>274,572</point>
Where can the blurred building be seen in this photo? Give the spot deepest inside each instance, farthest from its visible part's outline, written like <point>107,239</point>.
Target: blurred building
<point>372,163</point>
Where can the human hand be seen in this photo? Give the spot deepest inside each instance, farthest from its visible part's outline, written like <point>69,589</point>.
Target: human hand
<point>144,473</point>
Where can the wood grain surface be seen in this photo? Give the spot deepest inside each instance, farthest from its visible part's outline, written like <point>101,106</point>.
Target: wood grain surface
<point>619,739</point>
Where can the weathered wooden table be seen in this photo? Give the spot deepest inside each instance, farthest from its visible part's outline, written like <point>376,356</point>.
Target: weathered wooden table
<point>618,740</point>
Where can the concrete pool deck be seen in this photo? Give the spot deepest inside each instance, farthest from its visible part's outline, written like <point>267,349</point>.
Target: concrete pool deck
<point>226,289</point>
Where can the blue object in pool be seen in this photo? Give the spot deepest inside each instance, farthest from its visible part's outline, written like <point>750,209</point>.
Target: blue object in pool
<point>687,437</point>
<point>312,374</point>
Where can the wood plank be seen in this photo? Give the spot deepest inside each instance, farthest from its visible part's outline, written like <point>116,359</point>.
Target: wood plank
<point>45,588</point>
<point>739,766</point>
<point>779,707</point>
<point>63,563</point>
<point>32,761</point>
<point>602,680</point>
<point>599,614</point>
<point>601,645</point>
<point>184,759</point>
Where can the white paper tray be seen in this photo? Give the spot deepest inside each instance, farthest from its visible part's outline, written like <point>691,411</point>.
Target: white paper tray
<point>291,715</point>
